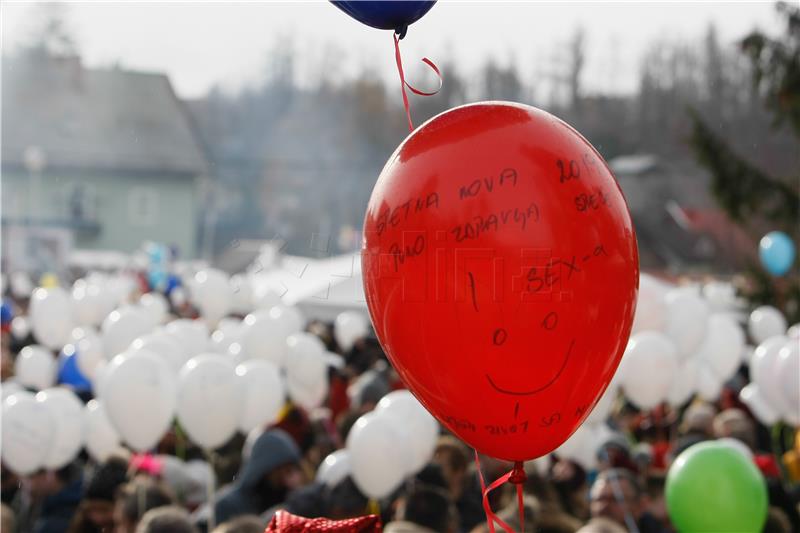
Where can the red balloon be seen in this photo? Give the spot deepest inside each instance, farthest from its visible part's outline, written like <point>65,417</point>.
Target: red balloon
<point>501,272</point>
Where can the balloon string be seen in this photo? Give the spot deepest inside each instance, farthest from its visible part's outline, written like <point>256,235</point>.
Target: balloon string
<point>404,84</point>
<point>521,508</point>
<point>491,517</point>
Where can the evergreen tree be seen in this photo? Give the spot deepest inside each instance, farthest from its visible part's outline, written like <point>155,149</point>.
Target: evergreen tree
<point>751,196</point>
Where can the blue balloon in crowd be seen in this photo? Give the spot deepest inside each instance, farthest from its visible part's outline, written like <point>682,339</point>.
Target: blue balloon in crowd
<point>385,14</point>
<point>173,282</point>
<point>69,373</point>
<point>6,313</point>
<point>776,251</point>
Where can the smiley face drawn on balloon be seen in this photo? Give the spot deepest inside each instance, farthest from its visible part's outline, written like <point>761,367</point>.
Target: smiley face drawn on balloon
<point>533,391</point>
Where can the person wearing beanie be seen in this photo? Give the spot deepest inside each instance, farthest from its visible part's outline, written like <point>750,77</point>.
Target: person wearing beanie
<point>270,470</point>
<point>96,511</point>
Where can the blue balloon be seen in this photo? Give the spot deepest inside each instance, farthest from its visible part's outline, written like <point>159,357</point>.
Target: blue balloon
<point>6,313</point>
<point>69,373</point>
<point>173,282</point>
<point>385,14</point>
<point>157,279</point>
<point>776,251</point>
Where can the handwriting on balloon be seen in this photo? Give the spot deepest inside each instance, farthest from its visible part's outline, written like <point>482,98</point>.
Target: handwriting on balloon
<point>507,176</point>
<point>570,169</point>
<point>401,253</point>
<point>548,421</point>
<point>545,277</point>
<point>580,410</point>
<point>460,424</point>
<point>392,217</point>
<point>517,427</point>
<point>591,201</point>
<point>494,221</point>
<point>550,321</point>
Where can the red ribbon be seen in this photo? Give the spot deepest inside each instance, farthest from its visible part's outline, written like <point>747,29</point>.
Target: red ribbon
<point>491,517</point>
<point>404,84</point>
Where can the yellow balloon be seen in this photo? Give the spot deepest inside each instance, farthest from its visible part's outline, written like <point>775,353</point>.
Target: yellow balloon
<point>48,280</point>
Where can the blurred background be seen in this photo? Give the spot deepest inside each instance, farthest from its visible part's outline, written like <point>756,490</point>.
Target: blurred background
<point>216,129</point>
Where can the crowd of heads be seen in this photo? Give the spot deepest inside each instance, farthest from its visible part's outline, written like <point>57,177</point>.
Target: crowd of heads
<point>273,468</point>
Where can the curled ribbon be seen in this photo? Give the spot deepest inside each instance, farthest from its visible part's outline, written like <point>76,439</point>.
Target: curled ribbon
<point>516,476</point>
<point>404,84</point>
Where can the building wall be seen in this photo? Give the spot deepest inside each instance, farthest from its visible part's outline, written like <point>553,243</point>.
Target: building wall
<point>128,209</point>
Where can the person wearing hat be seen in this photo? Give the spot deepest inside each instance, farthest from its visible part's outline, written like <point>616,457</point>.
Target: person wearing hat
<point>96,511</point>
<point>270,470</point>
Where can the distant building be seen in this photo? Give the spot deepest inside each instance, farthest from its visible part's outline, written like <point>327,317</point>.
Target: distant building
<point>108,157</point>
<point>679,227</point>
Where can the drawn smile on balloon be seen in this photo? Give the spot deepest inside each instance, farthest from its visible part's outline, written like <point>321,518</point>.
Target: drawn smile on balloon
<point>538,389</point>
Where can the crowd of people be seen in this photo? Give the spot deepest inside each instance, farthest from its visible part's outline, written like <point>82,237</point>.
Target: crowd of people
<point>274,468</point>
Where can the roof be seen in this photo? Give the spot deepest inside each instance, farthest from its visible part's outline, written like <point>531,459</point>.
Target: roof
<point>95,119</point>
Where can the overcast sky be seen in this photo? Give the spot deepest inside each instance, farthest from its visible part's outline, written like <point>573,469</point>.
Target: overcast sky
<point>205,44</point>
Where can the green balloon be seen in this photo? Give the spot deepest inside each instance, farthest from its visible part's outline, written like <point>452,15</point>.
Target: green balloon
<point>712,487</point>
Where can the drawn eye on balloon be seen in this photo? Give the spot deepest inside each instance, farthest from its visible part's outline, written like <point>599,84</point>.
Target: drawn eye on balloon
<point>479,298</point>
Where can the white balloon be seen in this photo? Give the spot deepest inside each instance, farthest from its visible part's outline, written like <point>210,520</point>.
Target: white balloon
<point>378,463</point>
<point>793,332</point>
<point>242,301</point>
<point>9,387</point>
<point>686,324</point>
<point>266,299</point>
<point>192,335</point>
<point>211,293</point>
<point>651,310</point>
<point>306,370</point>
<point>155,306</point>
<point>758,405</point>
<point>709,385</point>
<point>68,434</point>
<point>747,354</point>
<point>21,285</point>
<point>581,447</point>
<point>650,366</point>
<point>423,429</point>
<point>51,317</point>
<point>139,395</point>
<point>684,384</point>
<point>89,346</point>
<point>228,331</point>
<point>264,394</point>
<point>102,439</point>
<point>165,346</point>
<point>334,468</point>
<point>177,296</point>
<point>121,327</point>
<point>210,400</point>
<point>766,322</point>
<point>787,371</point>
<point>90,303</point>
<point>36,367</point>
<point>722,347</point>
<point>290,318</point>
<point>721,296</point>
<point>736,444</point>
<point>763,373</point>
<point>264,337</point>
<point>602,408</point>
<point>28,429</point>
<point>348,328</point>
<point>20,327</point>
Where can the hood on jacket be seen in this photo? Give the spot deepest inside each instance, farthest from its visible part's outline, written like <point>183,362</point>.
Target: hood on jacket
<point>270,450</point>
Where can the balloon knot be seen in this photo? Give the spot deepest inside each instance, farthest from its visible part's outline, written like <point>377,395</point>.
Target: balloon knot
<point>518,475</point>
<point>401,31</point>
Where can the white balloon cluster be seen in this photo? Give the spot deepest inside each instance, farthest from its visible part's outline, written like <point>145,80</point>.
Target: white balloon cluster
<point>683,342</point>
<point>146,373</point>
<point>774,390</point>
<point>384,446</point>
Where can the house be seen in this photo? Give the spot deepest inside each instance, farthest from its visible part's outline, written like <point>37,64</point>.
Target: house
<point>108,158</point>
<point>679,227</point>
